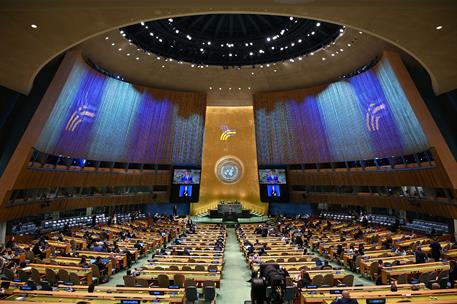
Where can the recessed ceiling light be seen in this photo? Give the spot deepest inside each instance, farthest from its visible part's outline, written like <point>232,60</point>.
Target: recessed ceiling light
<point>119,49</point>
<point>106,38</point>
<point>349,44</point>
<point>230,88</point>
<point>323,58</point>
<point>33,26</point>
<point>128,54</point>
<point>113,44</point>
<point>439,27</point>
<point>318,24</point>
<point>249,88</point>
<point>220,89</point>
<point>252,73</point>
<point>360,33</point>
<point>137,58</point>
<point>210,88</point>
<point>170,19</point>
<point>239,89</point>
<point>275,71</point>
<point>163,66</point>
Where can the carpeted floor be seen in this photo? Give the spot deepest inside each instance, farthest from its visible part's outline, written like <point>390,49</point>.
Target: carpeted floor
<point>234,288</point>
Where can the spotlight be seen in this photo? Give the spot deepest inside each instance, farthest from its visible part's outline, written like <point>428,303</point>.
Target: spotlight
<point>177,31</point>
<point>251,53</point>
<point>106,38</point>
<point>142,23</point>
<point>439,27</point>
<point>34,26</point>
<point>318,24</point>
<point>128,54</point>
<point>170,19</point>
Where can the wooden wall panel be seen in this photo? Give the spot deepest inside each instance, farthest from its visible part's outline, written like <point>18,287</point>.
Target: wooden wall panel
<point>437,208</point>
<point>427,177</point>
<point>32,178</point>
<point>62,204</point>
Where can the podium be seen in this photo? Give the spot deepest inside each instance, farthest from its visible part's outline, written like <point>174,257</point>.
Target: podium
<point>229,211</point>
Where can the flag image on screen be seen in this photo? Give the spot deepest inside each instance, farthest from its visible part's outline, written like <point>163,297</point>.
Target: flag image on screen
<point>272,176</point>
<point>273,191</point>
<point>186,177</point>
<point>185,191</point>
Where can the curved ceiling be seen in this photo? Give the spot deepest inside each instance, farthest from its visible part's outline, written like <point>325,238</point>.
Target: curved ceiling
<point>232,40</point>
<point>113,53</point>
<point>410,25</point>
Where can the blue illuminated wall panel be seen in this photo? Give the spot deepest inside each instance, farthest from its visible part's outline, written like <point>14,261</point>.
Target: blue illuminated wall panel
<point>363,117</point>
<point>101,118</point>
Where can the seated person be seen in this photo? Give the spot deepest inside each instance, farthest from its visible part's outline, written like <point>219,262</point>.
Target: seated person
<point>326,266</point>
<point>420,256</point>
<point>345,299</point>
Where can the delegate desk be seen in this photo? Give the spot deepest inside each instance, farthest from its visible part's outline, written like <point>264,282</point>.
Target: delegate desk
<point>84,274</point>
<point>69,261</point>
<point>424,296</point>
<point>198,276</point>
<point>39,296</point>
<point>387,273</point>
<point>366,263</point>
<point>120,257</point>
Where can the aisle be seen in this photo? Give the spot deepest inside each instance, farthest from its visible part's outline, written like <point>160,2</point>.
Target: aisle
<point>234,288</point>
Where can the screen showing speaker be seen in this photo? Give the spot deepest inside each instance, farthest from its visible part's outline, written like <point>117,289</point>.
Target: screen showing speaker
<point>272,176</point>
<point>273,191</point>
<point>186,176</point>
<point>185,191</point>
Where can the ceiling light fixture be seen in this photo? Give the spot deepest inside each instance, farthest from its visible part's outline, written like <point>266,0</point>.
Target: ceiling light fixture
<point>439,27</point>
<point>34,26</point>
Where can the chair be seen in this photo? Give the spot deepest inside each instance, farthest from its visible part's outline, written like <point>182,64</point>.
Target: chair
<point>212,267</point>
<point>302,260</point>
<point>129,281</point>
<point>317,280</point>
<point>443,274</point>
<point>328,280</point>
<point>95,272</point>
<point>9,274</point>
<point>209,290</point>
<point>36,277</point>
<point>424,277</point>
<point>51,276</point>
<point>191,294</point>
<point>63,275</point>
<point>179,279</point>
<point>186,268</point>
<point>163,280</point>
<point>280,260</point>
<point>289,281</point>
<point>173,267</point>
<point>189,282</point>
<point>74,278</point>
<point>291,259</point>
<point>199,268</point>
<point>402,279</point>
<point>141,283</point>
<point>190,261</point>
<point>373,269</point>
<point>289,294</point>
<point>348,280</point>
<point>158,268</point>
<point>23,276</point>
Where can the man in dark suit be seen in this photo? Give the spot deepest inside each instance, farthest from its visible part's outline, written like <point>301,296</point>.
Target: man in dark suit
<point>420,256</point>
<point>345,299</point>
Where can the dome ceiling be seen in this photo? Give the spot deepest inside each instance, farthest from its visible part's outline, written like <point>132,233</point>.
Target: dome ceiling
<point>232,40</point>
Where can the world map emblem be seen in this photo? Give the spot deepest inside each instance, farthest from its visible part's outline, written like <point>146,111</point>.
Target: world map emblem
<point>229,169</point>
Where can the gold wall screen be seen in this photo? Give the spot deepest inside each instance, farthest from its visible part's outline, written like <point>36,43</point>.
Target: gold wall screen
<point>229,165</point>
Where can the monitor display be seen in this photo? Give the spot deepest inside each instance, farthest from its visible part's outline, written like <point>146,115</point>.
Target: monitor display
<point>376,301</point>
<point>273,191</point>
<point>185,191</point>
<point>186,177</point>
<point>272,176</point>
<point>130,301</point>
